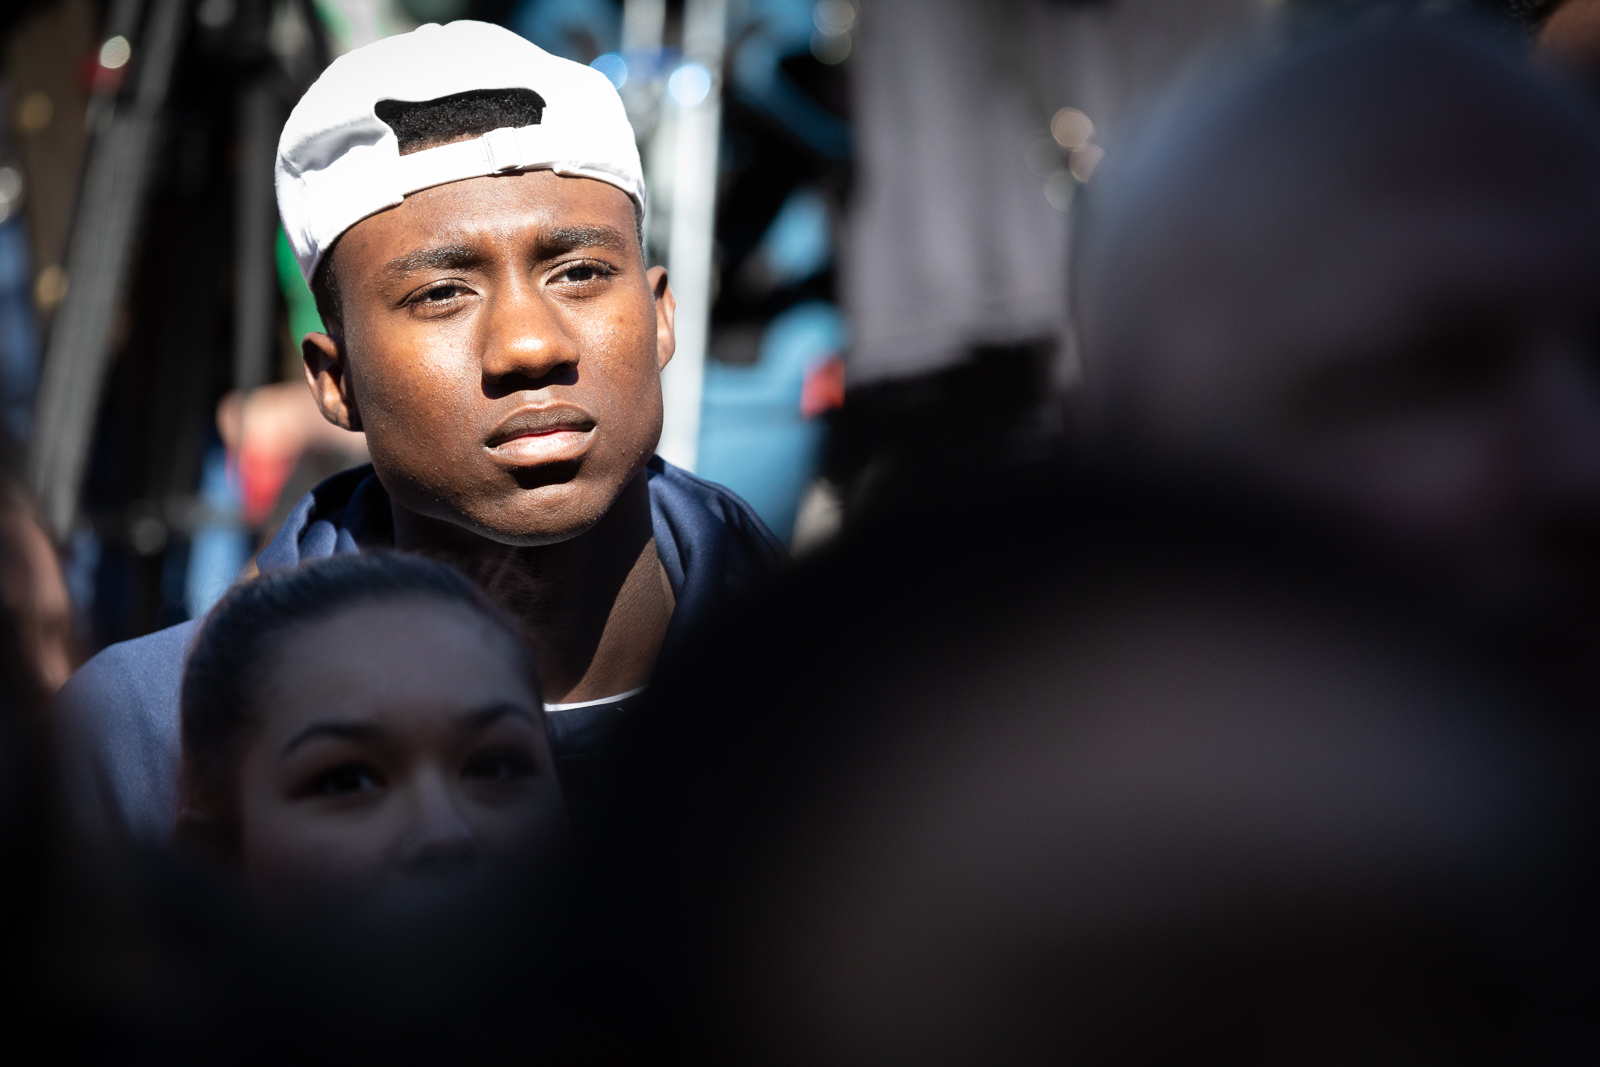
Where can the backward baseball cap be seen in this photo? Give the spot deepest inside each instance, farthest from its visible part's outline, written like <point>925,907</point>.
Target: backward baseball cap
<point>338,162</point>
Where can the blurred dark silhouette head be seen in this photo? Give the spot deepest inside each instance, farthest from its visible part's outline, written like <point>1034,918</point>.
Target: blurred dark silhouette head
<point>1361,269</point>
<point>32,590</point>
<point>27,678</point>
<point>364,723</point>
<point>1164,775</point>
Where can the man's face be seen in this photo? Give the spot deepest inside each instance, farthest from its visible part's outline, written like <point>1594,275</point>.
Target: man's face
<point>1432,371</point>
<point>502,344</point>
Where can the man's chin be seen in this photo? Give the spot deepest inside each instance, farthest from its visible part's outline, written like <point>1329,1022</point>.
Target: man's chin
<point>546,513</point>
<point>524,526</point>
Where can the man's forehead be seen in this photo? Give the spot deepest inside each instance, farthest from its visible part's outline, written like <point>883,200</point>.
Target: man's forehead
<point>542,208</point>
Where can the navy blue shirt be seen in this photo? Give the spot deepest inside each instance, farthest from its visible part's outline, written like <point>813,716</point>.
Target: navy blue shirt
<point>118,716</point>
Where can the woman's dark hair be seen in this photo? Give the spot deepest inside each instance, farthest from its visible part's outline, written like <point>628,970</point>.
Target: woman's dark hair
<point>241,636</point>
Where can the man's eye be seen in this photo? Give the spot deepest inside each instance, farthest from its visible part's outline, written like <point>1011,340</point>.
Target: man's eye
<point>583,272</point>
<point>346,780</point>
<point>498,765</point>
<point>438,294</point>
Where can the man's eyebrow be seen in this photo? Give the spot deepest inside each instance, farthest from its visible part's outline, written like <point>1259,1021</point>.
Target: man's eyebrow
<point>483,718</point>
<point>344,731</point>
<point>565,239</point>
<point>444,257</point>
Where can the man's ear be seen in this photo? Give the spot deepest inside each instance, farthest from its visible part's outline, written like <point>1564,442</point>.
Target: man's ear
<point>666,312</point>
<point>329,378</point>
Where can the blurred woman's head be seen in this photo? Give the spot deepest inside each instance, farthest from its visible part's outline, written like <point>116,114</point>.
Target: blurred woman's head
<point>33,592</point>
<point>362,725</point>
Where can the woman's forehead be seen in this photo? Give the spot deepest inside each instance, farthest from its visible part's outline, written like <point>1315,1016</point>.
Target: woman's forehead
<point>402,654</point>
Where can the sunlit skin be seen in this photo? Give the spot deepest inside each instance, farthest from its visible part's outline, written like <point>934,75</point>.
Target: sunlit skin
<point>1571,34</point>
<point>399,743</point>
<point>501,347</point>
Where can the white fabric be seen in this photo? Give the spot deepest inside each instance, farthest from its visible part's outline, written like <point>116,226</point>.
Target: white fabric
<point>338,162</point>
<point>619,698</point>
<point>952,242</point>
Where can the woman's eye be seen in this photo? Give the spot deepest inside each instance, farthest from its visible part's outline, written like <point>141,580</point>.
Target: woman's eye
<point>345,780</point>
<point>498,765</point>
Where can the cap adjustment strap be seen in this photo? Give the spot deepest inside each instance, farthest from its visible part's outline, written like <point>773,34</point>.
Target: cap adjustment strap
<point>503,149</point>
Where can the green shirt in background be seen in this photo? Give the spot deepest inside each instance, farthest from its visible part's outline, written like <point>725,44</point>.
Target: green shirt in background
<point>303,317</point>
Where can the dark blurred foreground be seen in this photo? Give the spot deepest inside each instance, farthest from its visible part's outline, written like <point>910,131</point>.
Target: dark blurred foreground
<point>1159,771</point>
<point>1172,732</point>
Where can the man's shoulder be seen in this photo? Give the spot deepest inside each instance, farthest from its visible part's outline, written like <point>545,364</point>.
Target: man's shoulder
<point>118,719</point>
<point>689,501</point>
<point>133,669</point>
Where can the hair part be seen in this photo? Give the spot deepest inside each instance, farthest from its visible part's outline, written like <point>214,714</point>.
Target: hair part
<point>238,646</point>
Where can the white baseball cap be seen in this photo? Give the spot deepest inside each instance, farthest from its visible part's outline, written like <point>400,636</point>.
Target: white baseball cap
<point>338,162</point>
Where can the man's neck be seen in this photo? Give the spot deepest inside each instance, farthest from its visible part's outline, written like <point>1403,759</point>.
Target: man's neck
<point>595,607</point>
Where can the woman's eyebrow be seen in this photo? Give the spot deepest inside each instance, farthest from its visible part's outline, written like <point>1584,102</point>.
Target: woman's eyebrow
<point>344,731</point>
<point>443,257</point>
<point>482,718</point>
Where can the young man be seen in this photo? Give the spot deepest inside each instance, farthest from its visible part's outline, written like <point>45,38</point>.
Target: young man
<point>467,208</point>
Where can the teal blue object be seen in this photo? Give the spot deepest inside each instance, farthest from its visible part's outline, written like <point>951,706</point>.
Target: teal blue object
<point>614,67</point>
<point>578,30</point>
<point>768,31</point>
<point>752,437</point>
<point>221,546</point>
<point>799,243</point>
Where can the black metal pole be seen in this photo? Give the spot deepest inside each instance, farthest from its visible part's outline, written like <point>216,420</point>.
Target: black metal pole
<point>261,120</point>
<point>99,257</point>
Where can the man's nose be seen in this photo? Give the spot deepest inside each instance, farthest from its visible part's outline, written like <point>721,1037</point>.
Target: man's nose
<point>526,341</point>
<point>439,840</point>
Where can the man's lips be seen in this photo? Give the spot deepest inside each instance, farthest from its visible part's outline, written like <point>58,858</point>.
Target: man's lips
<point>533,436</point>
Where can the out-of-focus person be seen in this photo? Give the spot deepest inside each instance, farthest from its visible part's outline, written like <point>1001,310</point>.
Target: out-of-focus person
<point>976,126</point>
<point>36,655</point>
<point>33,591</point>
<point>1570,34</point>
<point>371,857</point>
<point>1360,270</point>
<point>1171,775</point>
<point>364,725</point>
<point>283,447</point>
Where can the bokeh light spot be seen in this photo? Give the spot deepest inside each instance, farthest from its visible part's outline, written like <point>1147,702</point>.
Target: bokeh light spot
<point>115,53</point>
<point>614,67</point>
<point>1071,127</point>
<point>689,85</point>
